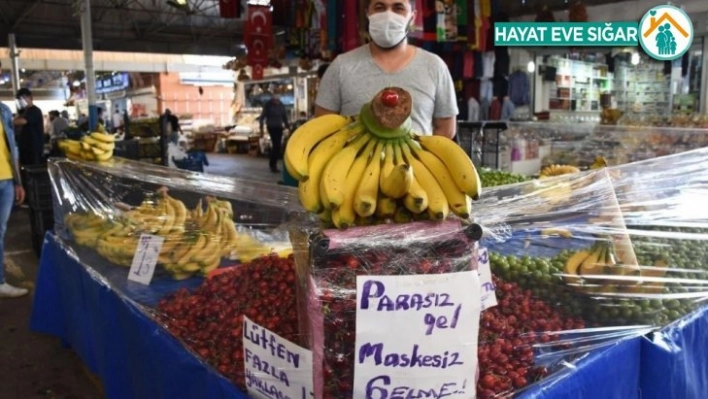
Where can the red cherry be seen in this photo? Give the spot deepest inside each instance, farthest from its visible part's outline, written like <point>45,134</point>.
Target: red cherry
<point>389,98</point>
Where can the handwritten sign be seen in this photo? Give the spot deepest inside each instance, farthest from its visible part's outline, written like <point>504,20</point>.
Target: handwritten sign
<point>145,259</point>
<point>416,336</point>
<point>489,297</point>
<point>275,367</point>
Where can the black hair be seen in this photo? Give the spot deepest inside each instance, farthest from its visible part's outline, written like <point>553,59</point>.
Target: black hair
<point>23,92</point>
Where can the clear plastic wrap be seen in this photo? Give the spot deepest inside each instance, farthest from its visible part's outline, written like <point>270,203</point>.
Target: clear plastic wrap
<point>580,144</point>
<point>328,263</point>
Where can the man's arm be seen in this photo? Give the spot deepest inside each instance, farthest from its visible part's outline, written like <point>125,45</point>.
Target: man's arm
<point>261,118</point>
<point>329,94</point>
<point>319,111</point>
<point>445,127</point>
<point>445,113</point>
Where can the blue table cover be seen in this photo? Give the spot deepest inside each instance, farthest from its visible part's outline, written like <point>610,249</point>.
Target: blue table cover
<point>674,361</point>
<point>136,358</point>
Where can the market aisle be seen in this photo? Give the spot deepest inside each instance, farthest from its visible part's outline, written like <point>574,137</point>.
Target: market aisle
<point>33,365</point>
<point>243,166</point>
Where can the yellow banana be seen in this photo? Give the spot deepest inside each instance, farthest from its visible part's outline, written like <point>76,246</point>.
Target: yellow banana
<point>459,202</point>
<point>416,201</point>
<point>103,157</point>
<point>366,194</point>
<point>85,146</point>
<point>345,215</point>
<point>308,190</point>
<point>388,162</point>
<point>325,216</point>
<point>437,202</point>
<point>402,215</point>
<point>189,255</point>
<point>210,218</point>
<point>306,138</point>
<point>572,265</point>
<point>103,137</point>
<point>168,218</point>
<point>595,263</point>
<point>334,177</point>
<point>291,169</point>
<point>180,213</point>
<point>72,146</point>
<point>385,208</point>
<point>398,182</point>
<point>457,162</point>
<point>210,249</point>
<point>98,144</point>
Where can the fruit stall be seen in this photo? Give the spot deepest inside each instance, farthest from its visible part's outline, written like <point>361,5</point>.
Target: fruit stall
<point>388,272</point>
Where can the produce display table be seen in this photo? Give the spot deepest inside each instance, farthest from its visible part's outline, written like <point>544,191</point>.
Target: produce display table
<point>136,358</point>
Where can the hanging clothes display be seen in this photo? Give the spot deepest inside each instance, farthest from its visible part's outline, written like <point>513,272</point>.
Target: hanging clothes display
<point>519,88</point>
<point>472,110</point>
<point>507,109</point>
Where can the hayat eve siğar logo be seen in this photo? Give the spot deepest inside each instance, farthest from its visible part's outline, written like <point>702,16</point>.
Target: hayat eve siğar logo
<point>666,33</point>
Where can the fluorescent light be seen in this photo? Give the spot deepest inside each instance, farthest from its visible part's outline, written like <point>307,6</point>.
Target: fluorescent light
<point>635,59</point>
<point>531,67</point>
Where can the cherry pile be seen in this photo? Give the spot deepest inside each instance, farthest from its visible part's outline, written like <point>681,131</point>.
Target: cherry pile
<point>507,334</point>
<point>335,278</point>
<point>210,319</point>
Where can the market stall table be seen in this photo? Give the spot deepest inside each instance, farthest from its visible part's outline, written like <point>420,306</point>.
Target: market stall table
<point>137,358</point>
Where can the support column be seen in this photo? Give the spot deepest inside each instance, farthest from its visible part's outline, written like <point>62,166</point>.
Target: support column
<point>15,64</point>
<point>87,42</point>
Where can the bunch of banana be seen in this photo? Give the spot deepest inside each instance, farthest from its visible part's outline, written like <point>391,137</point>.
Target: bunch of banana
<point>119,242</point>
<point>161,217</point>
<point>558,170</point>
<point>597,270</point>
<point>373,169</point>
<point>94,147</point>
<point>183,255</point>
<point>85,228</point>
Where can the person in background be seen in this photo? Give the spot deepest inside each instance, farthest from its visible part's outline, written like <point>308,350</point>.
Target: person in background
<point>354,78</point>
<point>58,124</point>
<point>11,191</point>
<point>302,119</point>
<point>30,122</point>
<point>126,125</point>
<point>275,117</point>
<point>82,120</point>
<point>65,114</point>
<point>117,121</point>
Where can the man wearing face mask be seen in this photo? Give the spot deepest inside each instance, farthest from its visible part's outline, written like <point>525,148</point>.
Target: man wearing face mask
<point>30,124</point>
<point>354,78</point>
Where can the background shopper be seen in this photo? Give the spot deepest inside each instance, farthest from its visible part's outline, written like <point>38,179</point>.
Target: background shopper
<point>275,117</point>
<point>11,191</point>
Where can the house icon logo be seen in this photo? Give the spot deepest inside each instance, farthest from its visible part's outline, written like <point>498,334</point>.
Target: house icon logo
<point>666,33</point>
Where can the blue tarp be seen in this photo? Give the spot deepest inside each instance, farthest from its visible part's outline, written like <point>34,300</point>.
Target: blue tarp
<point>136,358</point>
<point>674,361</point>
<point>133,356</point>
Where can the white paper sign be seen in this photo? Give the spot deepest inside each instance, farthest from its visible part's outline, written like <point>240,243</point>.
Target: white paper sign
<point>275,367</point>
<point>489,297</point>
<point>416,336</point>
<point>145,259</point>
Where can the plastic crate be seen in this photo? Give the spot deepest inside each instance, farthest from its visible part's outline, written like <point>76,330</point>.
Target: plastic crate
<point>41,221</point>
<point>194,165</point>
<point>38,186</point>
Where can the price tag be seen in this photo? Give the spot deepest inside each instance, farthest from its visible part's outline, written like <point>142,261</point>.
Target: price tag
<point>145,259</point>
<point>416,336</point>
<point>489,297</point>
<point>275,367</point>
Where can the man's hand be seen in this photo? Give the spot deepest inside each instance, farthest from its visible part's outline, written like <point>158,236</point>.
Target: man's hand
<point>19,195</point>
<point>19,121</point>
<point>445,127</point>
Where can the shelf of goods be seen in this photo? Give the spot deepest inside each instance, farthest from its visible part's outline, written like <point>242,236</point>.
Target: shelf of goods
<point>145,144</point>
<point>643,88</point>
<point>528,146</point>
<point>577,86</point>
<point>543,291</point>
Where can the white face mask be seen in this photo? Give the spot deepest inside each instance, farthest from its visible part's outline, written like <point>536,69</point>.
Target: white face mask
<point>22,103</point>
<point>387,29</point>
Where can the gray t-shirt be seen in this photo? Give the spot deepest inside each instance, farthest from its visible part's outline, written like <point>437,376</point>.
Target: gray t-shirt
<point>354,78</point>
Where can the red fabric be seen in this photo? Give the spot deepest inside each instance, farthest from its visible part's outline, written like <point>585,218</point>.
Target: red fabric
<point>472,90</point>
<point>495,110</point>
<point>351,25</point>
<point>258,38</point>
<point>230,9</point>
<point>468,66</point>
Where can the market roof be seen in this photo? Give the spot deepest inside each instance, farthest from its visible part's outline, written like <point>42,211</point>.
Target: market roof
<point>122,25</point>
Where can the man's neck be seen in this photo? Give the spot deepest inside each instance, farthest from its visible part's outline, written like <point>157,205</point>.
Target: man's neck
<point>399,51</point>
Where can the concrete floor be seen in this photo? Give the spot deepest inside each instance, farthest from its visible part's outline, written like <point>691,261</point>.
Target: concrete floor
<point>36,366</point>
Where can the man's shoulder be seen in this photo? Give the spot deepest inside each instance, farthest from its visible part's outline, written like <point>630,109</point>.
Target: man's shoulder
<point>430,59</point>
<point>360,53</point>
